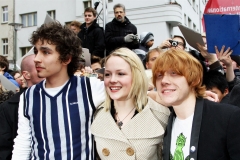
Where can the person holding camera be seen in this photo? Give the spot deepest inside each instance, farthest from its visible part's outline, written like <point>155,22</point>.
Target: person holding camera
<point>120,32</point>
<point>146,41</point>
<point>177,42</point>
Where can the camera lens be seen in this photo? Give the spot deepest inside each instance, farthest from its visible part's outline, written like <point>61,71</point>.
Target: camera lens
<point>174,43</point>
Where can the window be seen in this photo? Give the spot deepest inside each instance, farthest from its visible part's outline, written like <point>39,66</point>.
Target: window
<point>5,46</point>
<point>25,50</point>
<point>87,4</point>
<point>29,20</point>
<point>68,23</point>
<point>185,19</point>
<point>194,4</point>
<point>52,14</point>
<point>194,27</point>
<point>189,23</point>
<point>5,14</point>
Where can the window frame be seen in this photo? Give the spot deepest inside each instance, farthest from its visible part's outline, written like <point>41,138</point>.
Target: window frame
<point>29,19</point>
<point>52,14</point>
<point>25,50</point>
<point>87,3</point>
<point>5,46</point>
<point>4,14</point>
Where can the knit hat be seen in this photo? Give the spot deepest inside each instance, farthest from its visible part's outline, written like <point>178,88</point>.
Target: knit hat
<point>146,37</point>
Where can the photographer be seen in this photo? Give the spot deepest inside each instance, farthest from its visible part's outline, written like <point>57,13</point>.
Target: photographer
<point>177,42</point>
<point>120,32</point>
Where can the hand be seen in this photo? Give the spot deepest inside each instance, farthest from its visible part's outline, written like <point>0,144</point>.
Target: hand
<point>129,38</point>
<point>211,96</point>
<point>208,56</point>
<point>150,87</point>
<point>86,71</point>
<point>165,44</point>
<point>224,56</point>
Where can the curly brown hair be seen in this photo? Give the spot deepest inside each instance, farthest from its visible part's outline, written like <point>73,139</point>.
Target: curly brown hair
<point>4,63</point>
<point>68,45</point>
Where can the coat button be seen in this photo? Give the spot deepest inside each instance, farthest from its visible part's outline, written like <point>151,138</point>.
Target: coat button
<point>105,152</point>
<point>191,158</point>
<point>130,151</point>
<point>193,149</point>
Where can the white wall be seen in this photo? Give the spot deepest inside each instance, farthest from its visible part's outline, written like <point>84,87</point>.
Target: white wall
<point>7,31</point>
<point>156,16</point>
<point>65,11</point>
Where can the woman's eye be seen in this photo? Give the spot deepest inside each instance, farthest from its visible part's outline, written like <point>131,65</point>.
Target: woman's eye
<point>106,74</point>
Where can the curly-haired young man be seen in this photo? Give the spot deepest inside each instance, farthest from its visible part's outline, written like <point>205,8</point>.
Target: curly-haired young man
<point>55,115</point>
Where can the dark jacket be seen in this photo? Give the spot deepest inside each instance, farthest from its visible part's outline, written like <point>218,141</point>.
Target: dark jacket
<point>215,132</point>
<point>8,125</point>
<point>234,95</point>
<point>115,32</point>
<point>141,52</point>
<point>93,39</point>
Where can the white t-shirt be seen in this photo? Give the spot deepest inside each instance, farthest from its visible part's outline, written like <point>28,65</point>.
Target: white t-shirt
<point>181,136</point>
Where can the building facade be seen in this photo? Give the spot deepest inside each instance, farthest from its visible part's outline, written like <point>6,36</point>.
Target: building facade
<point>7,32</point>
<point>160,17</point>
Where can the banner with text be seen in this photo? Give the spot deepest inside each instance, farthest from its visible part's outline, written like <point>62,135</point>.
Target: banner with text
<point>221,7</point>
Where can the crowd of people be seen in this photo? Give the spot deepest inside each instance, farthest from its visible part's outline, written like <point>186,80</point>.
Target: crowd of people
<point>135,103</point>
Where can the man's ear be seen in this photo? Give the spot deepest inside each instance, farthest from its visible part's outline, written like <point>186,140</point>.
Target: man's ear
<point>68,61</point>
<point>226,91</point>
<point>26,74</point>
<point>3,68</point>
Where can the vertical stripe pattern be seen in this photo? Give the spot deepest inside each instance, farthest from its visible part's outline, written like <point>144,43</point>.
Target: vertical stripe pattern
<point>61,124</point>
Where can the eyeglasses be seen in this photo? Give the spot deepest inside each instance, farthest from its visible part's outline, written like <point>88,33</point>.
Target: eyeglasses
<point>180,43</point>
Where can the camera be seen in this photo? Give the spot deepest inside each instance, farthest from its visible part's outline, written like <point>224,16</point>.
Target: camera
<point>135,39</point>
<point>174,43</point>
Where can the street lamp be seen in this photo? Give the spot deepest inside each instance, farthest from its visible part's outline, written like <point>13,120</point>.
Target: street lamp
<point>17,27</point>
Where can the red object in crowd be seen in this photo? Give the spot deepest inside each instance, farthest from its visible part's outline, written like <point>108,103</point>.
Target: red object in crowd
<point>221,7</point>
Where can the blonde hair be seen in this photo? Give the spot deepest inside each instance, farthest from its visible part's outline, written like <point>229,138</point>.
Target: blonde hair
<point>183,64</point>
<point>139,87</point>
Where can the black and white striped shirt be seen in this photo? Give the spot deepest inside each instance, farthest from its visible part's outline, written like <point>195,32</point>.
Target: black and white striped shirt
<point>60,124</point>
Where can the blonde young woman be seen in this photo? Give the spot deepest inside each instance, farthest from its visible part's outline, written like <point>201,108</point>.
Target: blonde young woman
<point>129,125</point>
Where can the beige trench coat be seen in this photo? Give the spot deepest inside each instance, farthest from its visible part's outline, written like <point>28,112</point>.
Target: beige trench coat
<point>140,139</point>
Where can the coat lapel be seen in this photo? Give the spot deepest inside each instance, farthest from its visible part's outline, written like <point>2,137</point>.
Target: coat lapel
<point>137,127</point>
<point>196,126</point>
<point>167,137</point>
<point>104,126</point>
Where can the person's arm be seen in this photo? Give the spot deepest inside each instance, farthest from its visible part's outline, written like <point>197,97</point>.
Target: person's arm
<point>165,44</point>
<point>208,95</point>
<point>98,91</point>
<point>22,145</point>
<point>99,43</point>
<point>112,40</point>
<point>210,57</point>
<point>224,57</point>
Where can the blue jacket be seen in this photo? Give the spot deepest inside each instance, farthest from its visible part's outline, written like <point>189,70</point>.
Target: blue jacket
<point>10,78</point>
